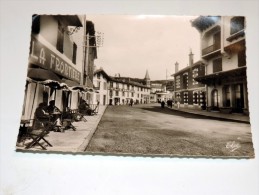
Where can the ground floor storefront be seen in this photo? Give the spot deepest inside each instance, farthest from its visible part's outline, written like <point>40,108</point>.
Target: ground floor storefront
<point>227,91</point>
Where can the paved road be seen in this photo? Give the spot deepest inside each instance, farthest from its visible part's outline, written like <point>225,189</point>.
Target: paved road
<point>151,130</point>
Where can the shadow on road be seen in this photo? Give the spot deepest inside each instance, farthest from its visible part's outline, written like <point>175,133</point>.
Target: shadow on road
<point>179,113</point>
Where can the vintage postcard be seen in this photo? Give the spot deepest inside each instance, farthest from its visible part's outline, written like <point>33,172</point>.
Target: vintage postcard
<point>150,85</point>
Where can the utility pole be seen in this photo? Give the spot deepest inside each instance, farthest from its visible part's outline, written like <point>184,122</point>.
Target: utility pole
<point>84,51</point>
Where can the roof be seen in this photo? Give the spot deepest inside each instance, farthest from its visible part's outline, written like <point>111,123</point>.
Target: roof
<point>147,76</point>
<point>200,62</point>
<point>128,80</point>
<point>101,71</point>
<point>203,22</point>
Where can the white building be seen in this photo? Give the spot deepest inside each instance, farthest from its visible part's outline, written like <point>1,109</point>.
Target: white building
<point>120,90</point>
<point>223,49</point>
<point>55,62</point>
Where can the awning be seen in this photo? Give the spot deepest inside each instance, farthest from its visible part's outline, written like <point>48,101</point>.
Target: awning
<point>70,83</point>
<point>30,80</point>
<point>54,84</point>
<point>207,79</point>
<point>40,74</point>
<point>78,87</point>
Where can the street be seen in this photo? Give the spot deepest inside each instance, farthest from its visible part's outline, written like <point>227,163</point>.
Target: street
<point>148,129</point>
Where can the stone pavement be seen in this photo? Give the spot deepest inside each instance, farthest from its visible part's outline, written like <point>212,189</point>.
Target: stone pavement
<point>71,141</point>
<point>236,117</point>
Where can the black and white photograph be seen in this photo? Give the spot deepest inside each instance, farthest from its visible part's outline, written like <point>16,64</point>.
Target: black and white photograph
<point>137,85</point>
<point>129,97</point>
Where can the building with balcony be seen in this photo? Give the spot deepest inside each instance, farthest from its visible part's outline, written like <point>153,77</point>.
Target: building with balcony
<point>55,62</point>
<point>224,52</point>
<point>187,91</point>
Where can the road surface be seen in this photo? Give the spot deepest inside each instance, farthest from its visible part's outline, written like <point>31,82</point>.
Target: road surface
<point>148,129</point>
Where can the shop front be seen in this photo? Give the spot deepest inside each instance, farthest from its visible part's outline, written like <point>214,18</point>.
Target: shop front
<point>227,91</point>
<point>50,76</point>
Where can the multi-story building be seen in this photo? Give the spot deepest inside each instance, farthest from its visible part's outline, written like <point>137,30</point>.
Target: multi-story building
<point>161,90</point>
<point>55,62</point>
<point>101,83</point>
<point>123,89</point>
<point>223,50</point>
<point>188,91</point>
<point>119,90</point>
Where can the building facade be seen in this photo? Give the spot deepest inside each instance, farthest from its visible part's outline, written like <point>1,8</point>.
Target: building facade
<point>161,90</point>
<point>119,90</point>
<point>55,63</point>
<point>189,92</point>
<point>101,84</point>
<point>223,50</point>
<point>123,89</point>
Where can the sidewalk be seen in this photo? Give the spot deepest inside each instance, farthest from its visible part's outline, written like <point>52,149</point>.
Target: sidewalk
<point>231,117</point>
<point>72,141</point>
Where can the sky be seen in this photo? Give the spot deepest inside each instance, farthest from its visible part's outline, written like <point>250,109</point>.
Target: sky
<point>136,43</point>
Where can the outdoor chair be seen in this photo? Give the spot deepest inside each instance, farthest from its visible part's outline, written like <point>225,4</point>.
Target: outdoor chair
<point>37,133</point>
<point>94,108</point>
<point>69,117</point>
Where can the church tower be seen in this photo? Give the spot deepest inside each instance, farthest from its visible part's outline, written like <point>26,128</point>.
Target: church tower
<point>147,79</point>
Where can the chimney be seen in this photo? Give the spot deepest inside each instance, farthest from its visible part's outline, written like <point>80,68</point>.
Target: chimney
<point>190,58</point>
<point>176,67</point>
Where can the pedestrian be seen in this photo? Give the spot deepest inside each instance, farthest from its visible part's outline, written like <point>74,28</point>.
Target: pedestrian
<point>163,104</point>
<point>131,102</point>
<point>178,102</point>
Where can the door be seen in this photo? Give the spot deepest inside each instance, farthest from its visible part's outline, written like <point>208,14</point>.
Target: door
<point>104,99</point>
<point>239,98</point>
<point>215,99</point>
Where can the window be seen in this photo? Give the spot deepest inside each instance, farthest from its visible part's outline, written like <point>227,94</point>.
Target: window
<point>185,97</point>
<point>74,53</point>
<point>185,80</point>
<point>60,39</point>
<point>104,85</point>
<point>123,93</point>
<point>98,76</point>
<point>111,93</point>
<point>194,75</point>
<point>98,85</point>
<point>217,65</point>
<point>35,24</point>
<point>195,97</point>
<point>132,94</point>
<point>237,24</point>
<point>227,95</point>
<point>117,85</point>
<point>214,96</point>
<point>111,84</point>
<point>117,93</point>
<point>177,82</point>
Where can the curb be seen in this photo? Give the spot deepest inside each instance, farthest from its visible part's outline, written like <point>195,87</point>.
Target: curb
<point>85,143</point>
<point>213,117</point>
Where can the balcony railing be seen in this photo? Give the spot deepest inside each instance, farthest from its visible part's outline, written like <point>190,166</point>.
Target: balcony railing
<point>210,49</point>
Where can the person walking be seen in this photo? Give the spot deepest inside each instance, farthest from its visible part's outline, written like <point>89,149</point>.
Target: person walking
<point>131,102</point>
<point>163,104</point>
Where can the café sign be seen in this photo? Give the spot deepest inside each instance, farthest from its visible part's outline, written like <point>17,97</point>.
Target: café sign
<point>44,57</point>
